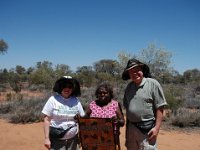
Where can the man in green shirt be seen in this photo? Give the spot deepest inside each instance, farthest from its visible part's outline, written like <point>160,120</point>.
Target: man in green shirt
<point>144,102</point>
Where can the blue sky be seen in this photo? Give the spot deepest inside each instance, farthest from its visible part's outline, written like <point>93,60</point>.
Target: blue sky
<point>81,32</point>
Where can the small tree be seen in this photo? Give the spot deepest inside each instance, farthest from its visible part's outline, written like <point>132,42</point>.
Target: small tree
<point>107,66</point>
<point>3,47</point>
<point>123,58</point>
<point>43,75</point>
<point>158,59</point>
<point>15,81</point>
<point>86,75</point>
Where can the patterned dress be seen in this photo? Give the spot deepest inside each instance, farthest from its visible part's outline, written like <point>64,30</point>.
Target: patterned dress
<point>107,111</point>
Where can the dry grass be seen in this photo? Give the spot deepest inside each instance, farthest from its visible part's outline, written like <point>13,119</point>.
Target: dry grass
<point>26,94</point>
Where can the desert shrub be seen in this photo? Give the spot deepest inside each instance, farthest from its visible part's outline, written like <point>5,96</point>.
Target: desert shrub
<point>6,108</point>
<point>87,95</point>
<point>22,111</point>
<point>174,96</point>
<point>192,103</point>
<point>34,87</point>
<point>9,96</point>
<point>22,116</point>
<point>184,117</point>
<point>2,88</point>
<point>192,96</point>
<point>19,96</point>
<point>14,96</point>
<point>119,91</point>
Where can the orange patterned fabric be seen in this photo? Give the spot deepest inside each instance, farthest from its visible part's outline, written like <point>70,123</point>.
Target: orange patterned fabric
<point>96,134</point>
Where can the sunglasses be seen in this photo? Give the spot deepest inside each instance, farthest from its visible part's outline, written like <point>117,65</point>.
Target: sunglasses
<point>69,86</point>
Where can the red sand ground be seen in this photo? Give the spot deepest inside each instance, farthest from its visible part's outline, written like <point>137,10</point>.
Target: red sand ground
<point>30,137</point>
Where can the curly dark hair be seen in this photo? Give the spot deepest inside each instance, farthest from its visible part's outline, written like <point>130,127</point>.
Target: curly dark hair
<point>108,88</point>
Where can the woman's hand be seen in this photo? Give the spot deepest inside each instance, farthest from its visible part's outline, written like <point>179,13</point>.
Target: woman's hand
<point>47,143</point>
<point>77,116</point>
<point>117,121</point>
<point>114,119</point>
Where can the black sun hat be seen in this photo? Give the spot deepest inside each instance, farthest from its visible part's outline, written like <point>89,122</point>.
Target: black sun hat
<point>67,81</point>
<point>134,63</point>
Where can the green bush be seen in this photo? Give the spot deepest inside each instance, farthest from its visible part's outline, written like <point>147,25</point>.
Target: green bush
<point>174,96</point>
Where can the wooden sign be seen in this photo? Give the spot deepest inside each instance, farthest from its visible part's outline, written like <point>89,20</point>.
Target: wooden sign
<point>96,134</point>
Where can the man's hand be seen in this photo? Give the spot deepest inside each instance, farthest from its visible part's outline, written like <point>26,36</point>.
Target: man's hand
<point>153,133</point>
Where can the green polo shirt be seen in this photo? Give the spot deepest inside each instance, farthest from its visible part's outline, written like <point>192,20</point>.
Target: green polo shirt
<point>142,101</point>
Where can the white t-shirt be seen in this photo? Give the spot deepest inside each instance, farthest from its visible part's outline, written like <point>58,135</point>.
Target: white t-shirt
<point>62,112</point>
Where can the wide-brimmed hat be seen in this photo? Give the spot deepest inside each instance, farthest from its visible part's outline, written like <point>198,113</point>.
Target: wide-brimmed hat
<point>67,81</point>
<point>135,63</point>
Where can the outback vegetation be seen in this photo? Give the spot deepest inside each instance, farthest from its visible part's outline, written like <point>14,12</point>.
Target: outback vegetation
<point>182,91</point>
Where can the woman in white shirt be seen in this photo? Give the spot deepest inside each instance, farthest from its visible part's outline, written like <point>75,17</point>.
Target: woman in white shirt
<point>59,114</point>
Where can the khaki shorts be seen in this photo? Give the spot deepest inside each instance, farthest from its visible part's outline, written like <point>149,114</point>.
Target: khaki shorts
<point>136,140</point>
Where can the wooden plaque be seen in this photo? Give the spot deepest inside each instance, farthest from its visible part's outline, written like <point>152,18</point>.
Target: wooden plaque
<point>96,134</point>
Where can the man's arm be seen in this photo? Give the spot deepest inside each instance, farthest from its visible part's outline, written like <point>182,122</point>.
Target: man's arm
<point>153,133</point>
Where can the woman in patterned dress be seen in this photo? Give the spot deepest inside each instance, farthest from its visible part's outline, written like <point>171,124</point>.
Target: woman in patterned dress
<point>106,107</point>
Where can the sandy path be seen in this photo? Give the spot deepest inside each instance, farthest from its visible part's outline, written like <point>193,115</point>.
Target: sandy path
<point>30,137</point>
